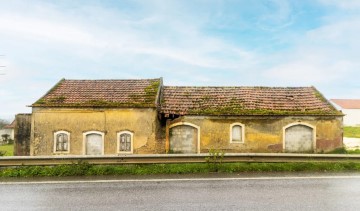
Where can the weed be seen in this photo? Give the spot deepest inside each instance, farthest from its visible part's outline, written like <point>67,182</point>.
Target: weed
<point>343,150</point>
<point>215,158</point>
<point>86,169</point>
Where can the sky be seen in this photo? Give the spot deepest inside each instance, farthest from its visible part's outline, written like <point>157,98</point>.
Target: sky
<point>187,42</point>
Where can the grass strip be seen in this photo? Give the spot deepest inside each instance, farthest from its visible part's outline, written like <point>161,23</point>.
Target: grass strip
<point>343,150</point>
<point>85,169</point>
<point>7,150</point>
<point>352,132</point>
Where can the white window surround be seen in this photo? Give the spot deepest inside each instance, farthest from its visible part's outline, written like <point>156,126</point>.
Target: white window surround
<point>55,139</point>
<point>242,133</point>
<point>300,123</point>
<point>192,125</point>
<point>93,132</point>
<point>118,142</point>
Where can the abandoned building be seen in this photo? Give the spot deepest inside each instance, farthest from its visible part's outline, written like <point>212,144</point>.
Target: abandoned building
<point>110,117</point>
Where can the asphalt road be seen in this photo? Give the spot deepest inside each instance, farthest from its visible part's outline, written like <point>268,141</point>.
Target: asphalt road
<point>276,192</point>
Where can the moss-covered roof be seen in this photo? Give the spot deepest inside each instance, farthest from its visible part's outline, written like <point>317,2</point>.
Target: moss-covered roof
<point>141,93</point>
<point>221,101</point>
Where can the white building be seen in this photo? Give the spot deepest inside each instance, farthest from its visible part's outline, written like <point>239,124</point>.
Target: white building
<point>351,109</point>
<point>9,130</point>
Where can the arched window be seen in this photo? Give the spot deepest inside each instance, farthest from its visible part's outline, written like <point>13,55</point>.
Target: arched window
<point>61,142</point>
<point>125,142</point>
<point>237,133</point>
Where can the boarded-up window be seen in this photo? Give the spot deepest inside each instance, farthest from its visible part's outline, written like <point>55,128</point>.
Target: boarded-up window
<point>94,144</point>
<point>125,144</point>
<point>299,138</point>
<point>236,133</point>
<point>183,139</point>
<point>62,142</point>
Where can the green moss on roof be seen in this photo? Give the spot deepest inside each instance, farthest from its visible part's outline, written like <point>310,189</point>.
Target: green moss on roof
<point>230,110</point>
<point>102,93</point>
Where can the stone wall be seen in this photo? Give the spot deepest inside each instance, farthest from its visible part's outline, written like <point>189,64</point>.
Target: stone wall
<point>22,134</point>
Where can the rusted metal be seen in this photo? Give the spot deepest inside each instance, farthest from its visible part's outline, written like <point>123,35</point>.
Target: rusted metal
<point>174,158</point>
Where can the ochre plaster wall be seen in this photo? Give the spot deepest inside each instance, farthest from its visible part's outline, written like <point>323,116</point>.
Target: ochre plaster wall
<point>262,134</point>
<point>142,123</point>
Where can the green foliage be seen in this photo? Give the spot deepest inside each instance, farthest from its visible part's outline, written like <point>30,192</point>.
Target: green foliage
<point>352,132</point>
<point>343,150</point>
<point>238,110</point>
<point>215,158</point>
<point>5,137</point>
<point>59,99</point>
<point>3,123</point>
<point>7,150</point>
<point>340,150</point>
<point>40,102</point>
<point>86,169</point>
<point>10,141</point>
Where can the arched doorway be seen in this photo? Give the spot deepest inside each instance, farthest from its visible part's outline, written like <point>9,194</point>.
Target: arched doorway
<point>184,138</point>
<point>299,138</point>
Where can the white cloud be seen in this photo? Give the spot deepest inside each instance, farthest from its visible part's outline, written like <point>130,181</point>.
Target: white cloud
<point>324,55</point>
<point>45,41</point>
<point>42,30</point>
<point>343,4</point>
<point>278,16</point>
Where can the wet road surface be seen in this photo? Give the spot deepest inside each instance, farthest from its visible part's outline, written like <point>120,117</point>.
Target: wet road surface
<point>271,192</point>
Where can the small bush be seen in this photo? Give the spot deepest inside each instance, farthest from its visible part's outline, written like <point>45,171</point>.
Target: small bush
<point>343,150</point>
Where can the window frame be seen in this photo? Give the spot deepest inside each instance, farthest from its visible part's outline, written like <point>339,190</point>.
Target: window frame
<point>118,142</point>
<point>242,133</point>
<point>55,142</point>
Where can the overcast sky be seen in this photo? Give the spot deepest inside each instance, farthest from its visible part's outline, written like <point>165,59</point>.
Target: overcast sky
<point>187,42</point>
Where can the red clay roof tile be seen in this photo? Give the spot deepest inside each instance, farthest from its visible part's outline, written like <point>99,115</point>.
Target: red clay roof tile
<point>102,93</point>
<point>244,101</point>
<point>347,103</point>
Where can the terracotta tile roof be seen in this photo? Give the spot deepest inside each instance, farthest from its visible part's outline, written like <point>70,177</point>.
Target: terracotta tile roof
<point>102,93</point>
<point>244,101</point>
<point>10,126</point>
<point>347,103</point>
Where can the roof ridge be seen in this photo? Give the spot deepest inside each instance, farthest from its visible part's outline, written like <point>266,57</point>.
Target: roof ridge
<point>149,79</point>
<point>282,87</point>
<point>102,93</point>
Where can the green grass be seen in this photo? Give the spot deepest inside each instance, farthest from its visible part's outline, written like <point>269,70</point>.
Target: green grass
<point>9,149</point>
<point>343,150</point>
<point>85,169</point>
<point>352,132</point>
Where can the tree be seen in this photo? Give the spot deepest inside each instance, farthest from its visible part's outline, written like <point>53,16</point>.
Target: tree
<point>3,123</point>
<point>5,137</point>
